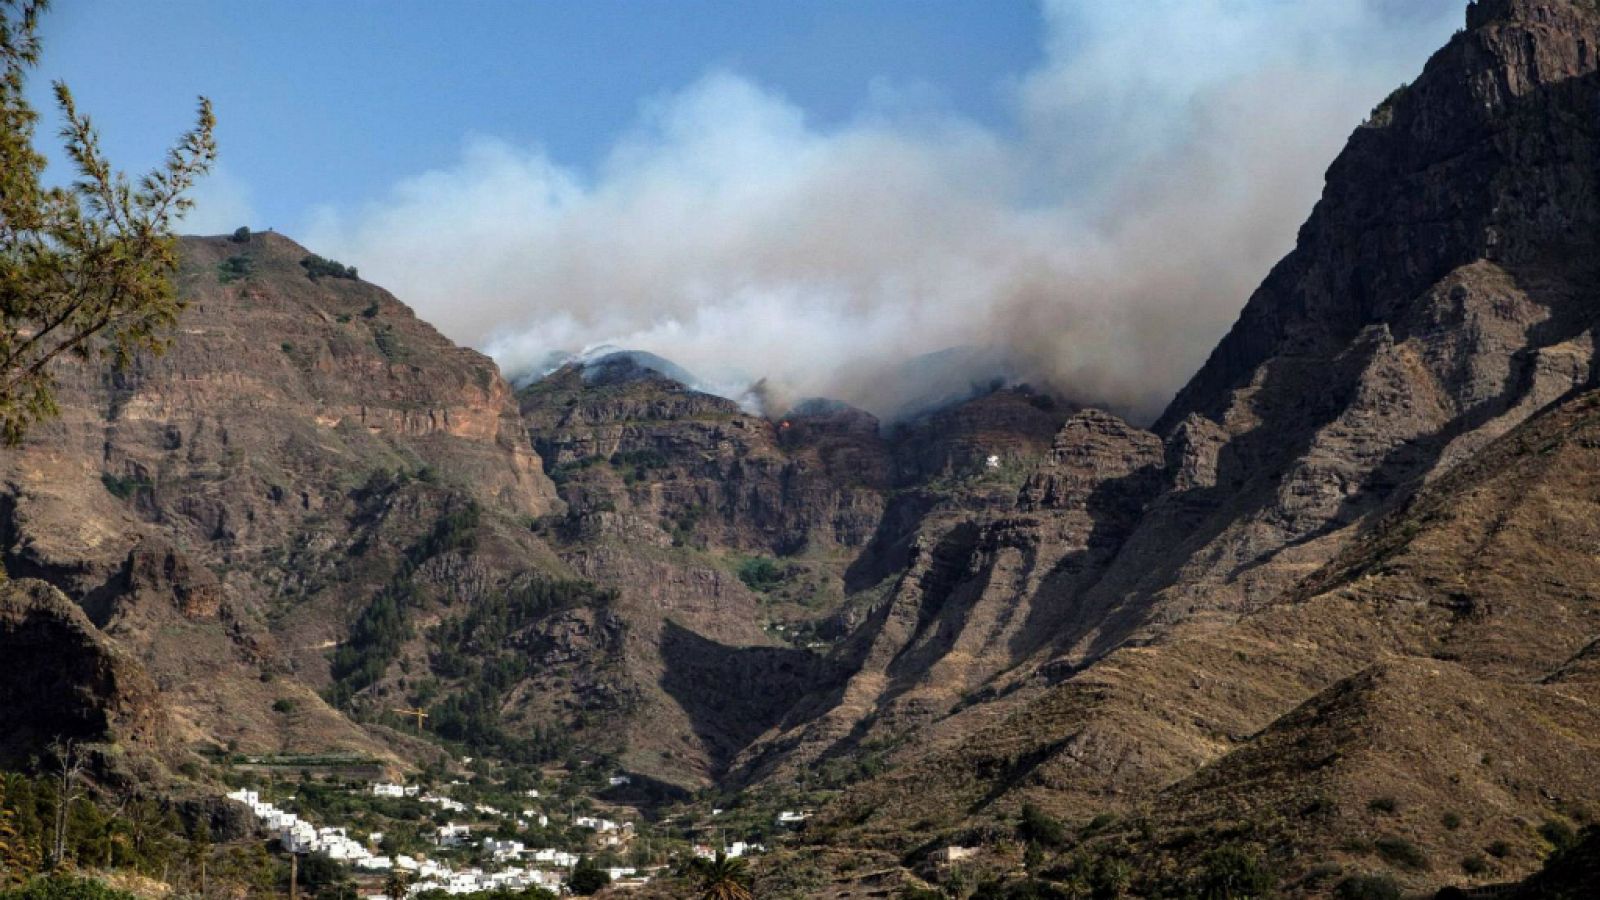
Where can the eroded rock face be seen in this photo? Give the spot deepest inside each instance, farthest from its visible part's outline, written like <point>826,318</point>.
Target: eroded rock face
<point>1372,511</point>
<point>227,509</point>
<point>62,680</point>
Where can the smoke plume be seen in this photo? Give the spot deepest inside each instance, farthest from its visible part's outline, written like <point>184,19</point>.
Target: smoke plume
<point>1152,169</point>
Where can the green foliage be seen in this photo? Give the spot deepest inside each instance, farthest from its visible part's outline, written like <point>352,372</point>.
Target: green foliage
<point>1451,820</point>
<point>138,835</point>
<point>635,465</point>
<point>482,649</point>
<point>388,342</point>
<point>85,268</point>
<point>63,886</point>
<point>1383,113</point>
<point>720,878</point>
<point>1499,849</point>
<point>241,235</point>
<point>381,629</point>
<point>1383,805</point>
<point>318,267</point>
<point>1038,827</point>
<point>234,268</point>
<point>563,472</point>
<point>1560,835</point>
<point>1234,873</point>
<point>1402,852</point>
<point>1101,822</point>
<point>587,877</point>
<point>123,486</point>
<point>760,574</point>
<point>1367,887</point>
<point>1474,865</point>
<point>533,893</point>
<point>283,705</point>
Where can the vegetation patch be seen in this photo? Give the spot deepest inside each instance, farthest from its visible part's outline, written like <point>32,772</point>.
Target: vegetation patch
<point>235,268</point>
<point>482,649</point>
<point>761,574</point>
<point>318,267</point>
<point>124,486</point>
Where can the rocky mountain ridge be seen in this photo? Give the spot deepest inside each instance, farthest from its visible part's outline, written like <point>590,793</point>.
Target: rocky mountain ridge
<point>1341,592</point>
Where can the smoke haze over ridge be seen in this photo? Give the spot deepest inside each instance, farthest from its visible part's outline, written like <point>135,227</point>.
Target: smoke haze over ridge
<point>1152,169</point>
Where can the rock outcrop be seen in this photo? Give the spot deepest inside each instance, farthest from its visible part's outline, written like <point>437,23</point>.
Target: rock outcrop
<point>65,681</point>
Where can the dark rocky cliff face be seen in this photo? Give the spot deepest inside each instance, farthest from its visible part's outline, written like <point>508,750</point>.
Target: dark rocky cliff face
<point>65,681</point>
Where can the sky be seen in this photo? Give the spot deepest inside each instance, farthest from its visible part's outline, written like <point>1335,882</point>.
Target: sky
<point>815,192</point>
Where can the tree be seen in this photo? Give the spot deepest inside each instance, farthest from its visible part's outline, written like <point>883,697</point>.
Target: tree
<point>586,877</point>
<point>18,860</point>
<point>721,878</point>
<point>397,884</point>
<point>85,269</point>
<point>1037,827</point>
<point>69,766</point>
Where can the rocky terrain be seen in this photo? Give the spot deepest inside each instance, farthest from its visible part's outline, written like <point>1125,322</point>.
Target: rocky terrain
<point>1335,610</point>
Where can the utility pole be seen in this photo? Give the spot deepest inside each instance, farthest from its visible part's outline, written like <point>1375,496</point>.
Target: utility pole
<point>294,875</point>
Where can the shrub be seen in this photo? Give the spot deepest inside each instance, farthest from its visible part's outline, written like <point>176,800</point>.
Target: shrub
<point>1322,873</point>
<point>1367,887</point>
<point>60,886</point>
<point>234,268</point>
<point>1499,849</point>
<point>1451,820</point>
<point>241,235</point>
<point>388,342</point>
<point>1474,865</point>
<point>760,574</point>
<point>1402,852</point>
<point>123,486</point>
<point>1560,835</point>
<point>1235,873</point>
<point>1038,827</point>
<point>283,705</point>
<point>318,267</point>
<point>1383,805</point>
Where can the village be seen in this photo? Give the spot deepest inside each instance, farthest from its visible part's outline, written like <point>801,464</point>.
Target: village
<point>476,847</point>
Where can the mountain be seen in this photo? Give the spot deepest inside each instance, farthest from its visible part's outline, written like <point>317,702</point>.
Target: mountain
<point>1332,617</point>
<point>225,511</point>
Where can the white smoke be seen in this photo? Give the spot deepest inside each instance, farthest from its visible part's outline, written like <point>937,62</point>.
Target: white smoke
<point>1157,163</point>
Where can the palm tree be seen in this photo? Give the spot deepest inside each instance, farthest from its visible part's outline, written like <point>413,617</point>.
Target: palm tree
<point>721,878</point>
<point>397,884</point>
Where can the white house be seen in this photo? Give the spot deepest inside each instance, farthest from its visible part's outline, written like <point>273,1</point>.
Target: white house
<point>451,835</point>
<point>790,817</point>
<point>503,850</point>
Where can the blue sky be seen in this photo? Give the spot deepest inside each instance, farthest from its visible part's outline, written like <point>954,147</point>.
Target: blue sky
<point>811,191</point>
<point>332,102</point>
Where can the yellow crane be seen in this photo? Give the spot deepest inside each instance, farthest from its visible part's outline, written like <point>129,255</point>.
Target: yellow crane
<point>417,714</point>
